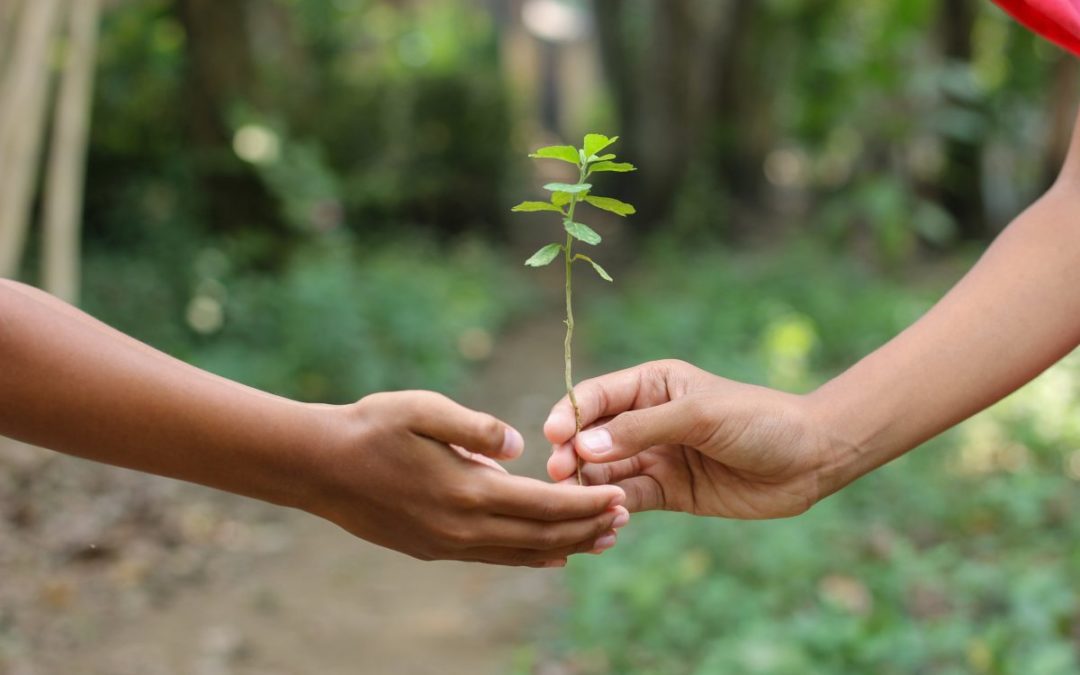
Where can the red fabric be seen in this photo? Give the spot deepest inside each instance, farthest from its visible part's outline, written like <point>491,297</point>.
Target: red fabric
<point>1056,20</point>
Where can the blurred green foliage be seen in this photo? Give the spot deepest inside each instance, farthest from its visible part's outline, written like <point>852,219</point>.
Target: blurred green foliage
<point>960,558</point>
<point>882,127</point>
<point>385,112</point>
<point>311,226</point>
<point>338,321</point>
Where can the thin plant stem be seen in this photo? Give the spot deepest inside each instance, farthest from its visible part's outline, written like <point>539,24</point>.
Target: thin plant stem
<point>568,344</point>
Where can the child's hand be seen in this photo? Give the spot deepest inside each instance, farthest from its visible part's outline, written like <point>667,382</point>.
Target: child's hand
<point>678,438</point>
<point>414,471</point>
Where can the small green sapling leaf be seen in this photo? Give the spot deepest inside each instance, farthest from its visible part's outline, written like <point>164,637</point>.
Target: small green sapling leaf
<point>545,256</point>
<point>618,167</point>
<point>570,189</point>
<point>596,266</point>
<point>582,232</point>
<point>601,271</point>
<point>566,153</point>
<point>561,199</point>
<point>594,143</point>
<point>531,207</point>
<point>615,206</point>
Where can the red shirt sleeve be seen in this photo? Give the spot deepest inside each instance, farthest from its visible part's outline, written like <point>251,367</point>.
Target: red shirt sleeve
<point>1056,20</point>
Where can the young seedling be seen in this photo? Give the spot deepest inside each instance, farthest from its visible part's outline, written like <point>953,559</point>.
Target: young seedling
<point>565,198</point>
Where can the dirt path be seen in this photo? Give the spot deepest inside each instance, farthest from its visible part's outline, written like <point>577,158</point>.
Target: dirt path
<point>325,603</point>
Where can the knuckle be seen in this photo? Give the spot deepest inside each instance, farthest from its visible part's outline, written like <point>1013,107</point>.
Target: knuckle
<point>583,546</point>
<point>453,536</point>
<point>548,538</point>
<point>547,511</point>
<point>489,430</point>
<point>466,497</point>
<point>671,365</point>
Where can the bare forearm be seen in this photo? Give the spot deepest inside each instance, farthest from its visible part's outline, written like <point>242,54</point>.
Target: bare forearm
<point>69,383</point>
<point>1012,316</point>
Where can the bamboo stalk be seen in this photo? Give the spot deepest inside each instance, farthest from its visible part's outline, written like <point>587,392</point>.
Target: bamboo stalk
<point>64,187</point>
<point>9,10</point>
<point>24,98</point>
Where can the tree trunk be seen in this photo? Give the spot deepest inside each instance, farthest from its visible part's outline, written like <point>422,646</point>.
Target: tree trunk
<point>220,76</point>
<point>962,179</point>
<point>23,99</point>
<point>67,163</point>
<point>1062,114</point>
<point>666,88</point>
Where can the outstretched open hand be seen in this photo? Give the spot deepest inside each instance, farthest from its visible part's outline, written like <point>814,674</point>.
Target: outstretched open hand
<point>416,472</point>
<point>675,437</point>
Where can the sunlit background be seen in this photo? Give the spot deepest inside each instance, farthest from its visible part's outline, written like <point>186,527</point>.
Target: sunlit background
<point>312,197</point>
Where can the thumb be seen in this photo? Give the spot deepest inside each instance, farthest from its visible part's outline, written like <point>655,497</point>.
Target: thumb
<point>441,419</point>
<point>636,431</point>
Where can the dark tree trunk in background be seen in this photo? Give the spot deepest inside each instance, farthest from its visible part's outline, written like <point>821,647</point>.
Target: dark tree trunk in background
<point>741,147</point>
<point>1061,117</point>
<point>666,84</point>
<point>220,75</point>
<point>962,180</point>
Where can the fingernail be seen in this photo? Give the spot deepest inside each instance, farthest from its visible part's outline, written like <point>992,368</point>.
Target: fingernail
<point>555,563</point>
<point>621,519</point>
<point>513,444</point>
<point>618,500</point>
<point>604,543</point>
<point>596,441</point>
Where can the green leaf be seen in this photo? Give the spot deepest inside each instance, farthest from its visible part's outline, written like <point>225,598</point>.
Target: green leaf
<point>569,189</point>
<point>594,143</point>
<point>581,232</point>
<point>544,256</point>
<point>565,153</point>
<point>602,158</point>
<point>613,205</point>
<point>618,167</point>
<point>599,270</point>
<point>530,207</point>
<point>560,199</point>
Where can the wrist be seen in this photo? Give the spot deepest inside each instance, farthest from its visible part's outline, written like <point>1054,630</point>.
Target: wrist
<point>851,442</point>
<point>311,479</point>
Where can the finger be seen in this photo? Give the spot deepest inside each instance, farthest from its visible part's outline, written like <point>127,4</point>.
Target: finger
<point>562,466</point>
<point>643,493</point>
<point>480,459</point>
<point>551,536</point>
<point>529,498</point>
<point>526,556</point>
<point>613,473</point>
<point>678,423</point>
<point>563,462</point>
<point>608,394</point>
<point>439,418</point>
